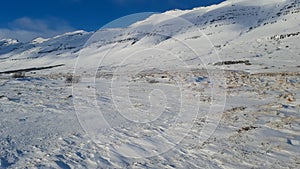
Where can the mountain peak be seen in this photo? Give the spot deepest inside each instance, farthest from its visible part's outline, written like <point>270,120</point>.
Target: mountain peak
<point>39,40</point>
<point>7,42</point>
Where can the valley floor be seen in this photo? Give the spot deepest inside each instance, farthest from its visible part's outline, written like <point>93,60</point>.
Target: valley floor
<point>259,127</point>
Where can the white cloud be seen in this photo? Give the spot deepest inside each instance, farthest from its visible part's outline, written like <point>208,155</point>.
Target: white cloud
<point>25,28</point>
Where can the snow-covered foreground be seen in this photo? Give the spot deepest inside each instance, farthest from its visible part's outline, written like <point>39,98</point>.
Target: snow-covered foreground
<point>213,87</point>
<point>259,127</point>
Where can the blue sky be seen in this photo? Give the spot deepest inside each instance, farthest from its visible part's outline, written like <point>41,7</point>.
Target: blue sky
<point>26,19</point>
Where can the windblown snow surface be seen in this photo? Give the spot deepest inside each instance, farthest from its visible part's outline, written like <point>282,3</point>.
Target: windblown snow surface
<point>211,87</point>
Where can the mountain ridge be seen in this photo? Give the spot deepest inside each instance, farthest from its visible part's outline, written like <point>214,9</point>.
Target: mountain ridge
<point>222,24</point>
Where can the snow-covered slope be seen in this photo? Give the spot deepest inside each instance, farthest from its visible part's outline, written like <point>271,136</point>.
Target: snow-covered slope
<point>210,87</point>
<point>232,27</point>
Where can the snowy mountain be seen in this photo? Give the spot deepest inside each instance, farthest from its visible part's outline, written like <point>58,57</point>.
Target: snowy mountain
<point>210,87</point>
<point>250,25</point>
